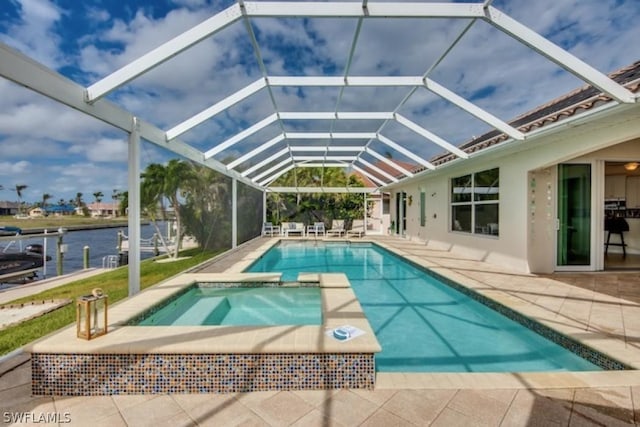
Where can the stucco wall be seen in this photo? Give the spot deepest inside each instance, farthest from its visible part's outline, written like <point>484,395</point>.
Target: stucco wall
<point>514,246</point>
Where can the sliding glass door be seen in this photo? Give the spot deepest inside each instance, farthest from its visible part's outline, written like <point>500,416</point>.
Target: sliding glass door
<point>574,215</point>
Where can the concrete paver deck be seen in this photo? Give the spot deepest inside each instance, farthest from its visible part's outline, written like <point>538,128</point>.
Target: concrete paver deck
<point>602,307</point>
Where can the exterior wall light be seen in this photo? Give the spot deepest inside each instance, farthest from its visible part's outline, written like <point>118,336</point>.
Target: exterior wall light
<point>631,166</point>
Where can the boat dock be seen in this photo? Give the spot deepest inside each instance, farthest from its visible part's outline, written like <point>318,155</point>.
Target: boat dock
<point>11,292</point>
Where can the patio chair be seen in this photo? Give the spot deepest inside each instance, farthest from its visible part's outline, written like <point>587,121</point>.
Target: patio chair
<point>293,228</point>
<point>357,228</point>
<point>337,227</point>
<point>316,228</point>
<point>269,229</point>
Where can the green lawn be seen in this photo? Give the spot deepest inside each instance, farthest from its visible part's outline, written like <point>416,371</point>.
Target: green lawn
<point>55,222</point>
<point>115,285</point>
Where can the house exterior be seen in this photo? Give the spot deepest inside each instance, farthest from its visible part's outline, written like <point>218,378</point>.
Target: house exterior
<point>538,205</point>
<point>9,208</point>
<point>37,212</point>
<point>103,209</point>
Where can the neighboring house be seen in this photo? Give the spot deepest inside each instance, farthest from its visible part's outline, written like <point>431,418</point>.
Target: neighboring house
<point>103,209</point>
<point>59,210</point>
<point>9,208</point>
<point>539,205</point>
<point>37,212</point>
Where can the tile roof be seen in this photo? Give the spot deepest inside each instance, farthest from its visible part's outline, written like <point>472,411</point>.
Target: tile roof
<point>576,102</point>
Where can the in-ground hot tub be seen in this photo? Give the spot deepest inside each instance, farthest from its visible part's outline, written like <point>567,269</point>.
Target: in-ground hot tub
<point>211,359</point>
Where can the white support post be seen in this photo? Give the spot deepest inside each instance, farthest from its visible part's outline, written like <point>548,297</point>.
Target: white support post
<point>365,213</point>
<point>264,205</point>
<point>134,208</point>
<point>234,213</point>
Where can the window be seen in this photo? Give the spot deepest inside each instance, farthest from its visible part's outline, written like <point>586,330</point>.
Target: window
<point>475,202</point>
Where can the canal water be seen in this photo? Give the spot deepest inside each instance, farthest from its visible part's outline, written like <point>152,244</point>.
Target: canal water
<point>102,242</point>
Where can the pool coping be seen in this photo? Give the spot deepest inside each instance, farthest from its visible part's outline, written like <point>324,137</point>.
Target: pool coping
<point>339,304</point>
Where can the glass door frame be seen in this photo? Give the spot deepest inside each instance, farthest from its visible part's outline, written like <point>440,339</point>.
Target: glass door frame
<point>596,259</point>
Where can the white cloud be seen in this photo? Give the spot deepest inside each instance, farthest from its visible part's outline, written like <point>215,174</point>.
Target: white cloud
<point>35,34</point>
<point>104,150</point>
<point>12,169</point>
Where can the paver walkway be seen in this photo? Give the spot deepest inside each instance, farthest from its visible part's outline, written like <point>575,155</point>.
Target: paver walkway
<point>602,305</point>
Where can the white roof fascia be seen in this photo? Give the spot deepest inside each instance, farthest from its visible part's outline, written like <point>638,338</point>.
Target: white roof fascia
<point>356,9</point>
<point>26,72</point>
<point>389,162</point>
<point>404,151</point>
<point>558,55</point>
<point>473,109</point>
<point>341,158</point>
<point>265,162</point>
<point>277,175</point>
<point>431,136</point>
<point>272,168</point>
<point>329,135</point>
<point>215,109</point>
<point>163,53</point>
<point>326,148</point>
<point>240,136</point>
<point>370,176</point>
<point>377,169</point>
<point>256,151</point>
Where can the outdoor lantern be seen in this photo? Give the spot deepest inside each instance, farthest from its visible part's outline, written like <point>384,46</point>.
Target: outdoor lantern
<point>91,315</point>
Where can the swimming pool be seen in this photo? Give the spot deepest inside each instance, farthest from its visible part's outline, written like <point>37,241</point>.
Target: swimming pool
<point>422,324</point>
<point>238,306</point>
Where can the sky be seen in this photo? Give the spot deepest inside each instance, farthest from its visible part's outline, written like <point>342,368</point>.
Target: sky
<point>53,149</point>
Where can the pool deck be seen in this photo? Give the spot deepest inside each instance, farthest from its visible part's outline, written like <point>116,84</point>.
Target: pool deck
<point>600,309</point>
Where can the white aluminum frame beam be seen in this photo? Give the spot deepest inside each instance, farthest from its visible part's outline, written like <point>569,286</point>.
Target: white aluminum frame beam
<point>473,109</point>
<point>272,169</point>
<point>355,190</point>
<point>388,161</point>
<point>556,54</point>
<point>369,175</point>
<point>323,165</point>
<point>330,135</point>
<point>404,151</point>
<point>163,53</point>
<point>240,136</point>
<point>378,170</point>
<point>273,141</point>
<point>215,109</point>
<point>327,148</point>
<point>277,175</point>
<point>265,162</point>
<point>364,115</point>
<point>19,68</point>
<point>341,158</point>
<point>431,136</point>
<point>356,10</point>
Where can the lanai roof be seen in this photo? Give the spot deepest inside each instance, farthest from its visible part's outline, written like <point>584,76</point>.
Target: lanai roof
<point>354,102</point>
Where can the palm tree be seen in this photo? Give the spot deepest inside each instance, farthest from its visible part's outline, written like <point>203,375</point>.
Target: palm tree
<point>115,196</point>
<point>45,197</point>
<point>168,182</point>
<point>78,200</point>
<point>98,196</point>
<point>19,188</point>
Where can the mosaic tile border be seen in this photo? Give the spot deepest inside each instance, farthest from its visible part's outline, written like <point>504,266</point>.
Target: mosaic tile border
<point>594,356</point>
<point>109,374</point>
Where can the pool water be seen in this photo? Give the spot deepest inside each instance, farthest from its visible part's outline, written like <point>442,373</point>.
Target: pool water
<point>422,324</point>
<point>240,306</point>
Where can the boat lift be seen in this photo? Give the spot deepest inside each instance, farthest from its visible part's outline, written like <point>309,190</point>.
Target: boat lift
<point>18,238</point>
